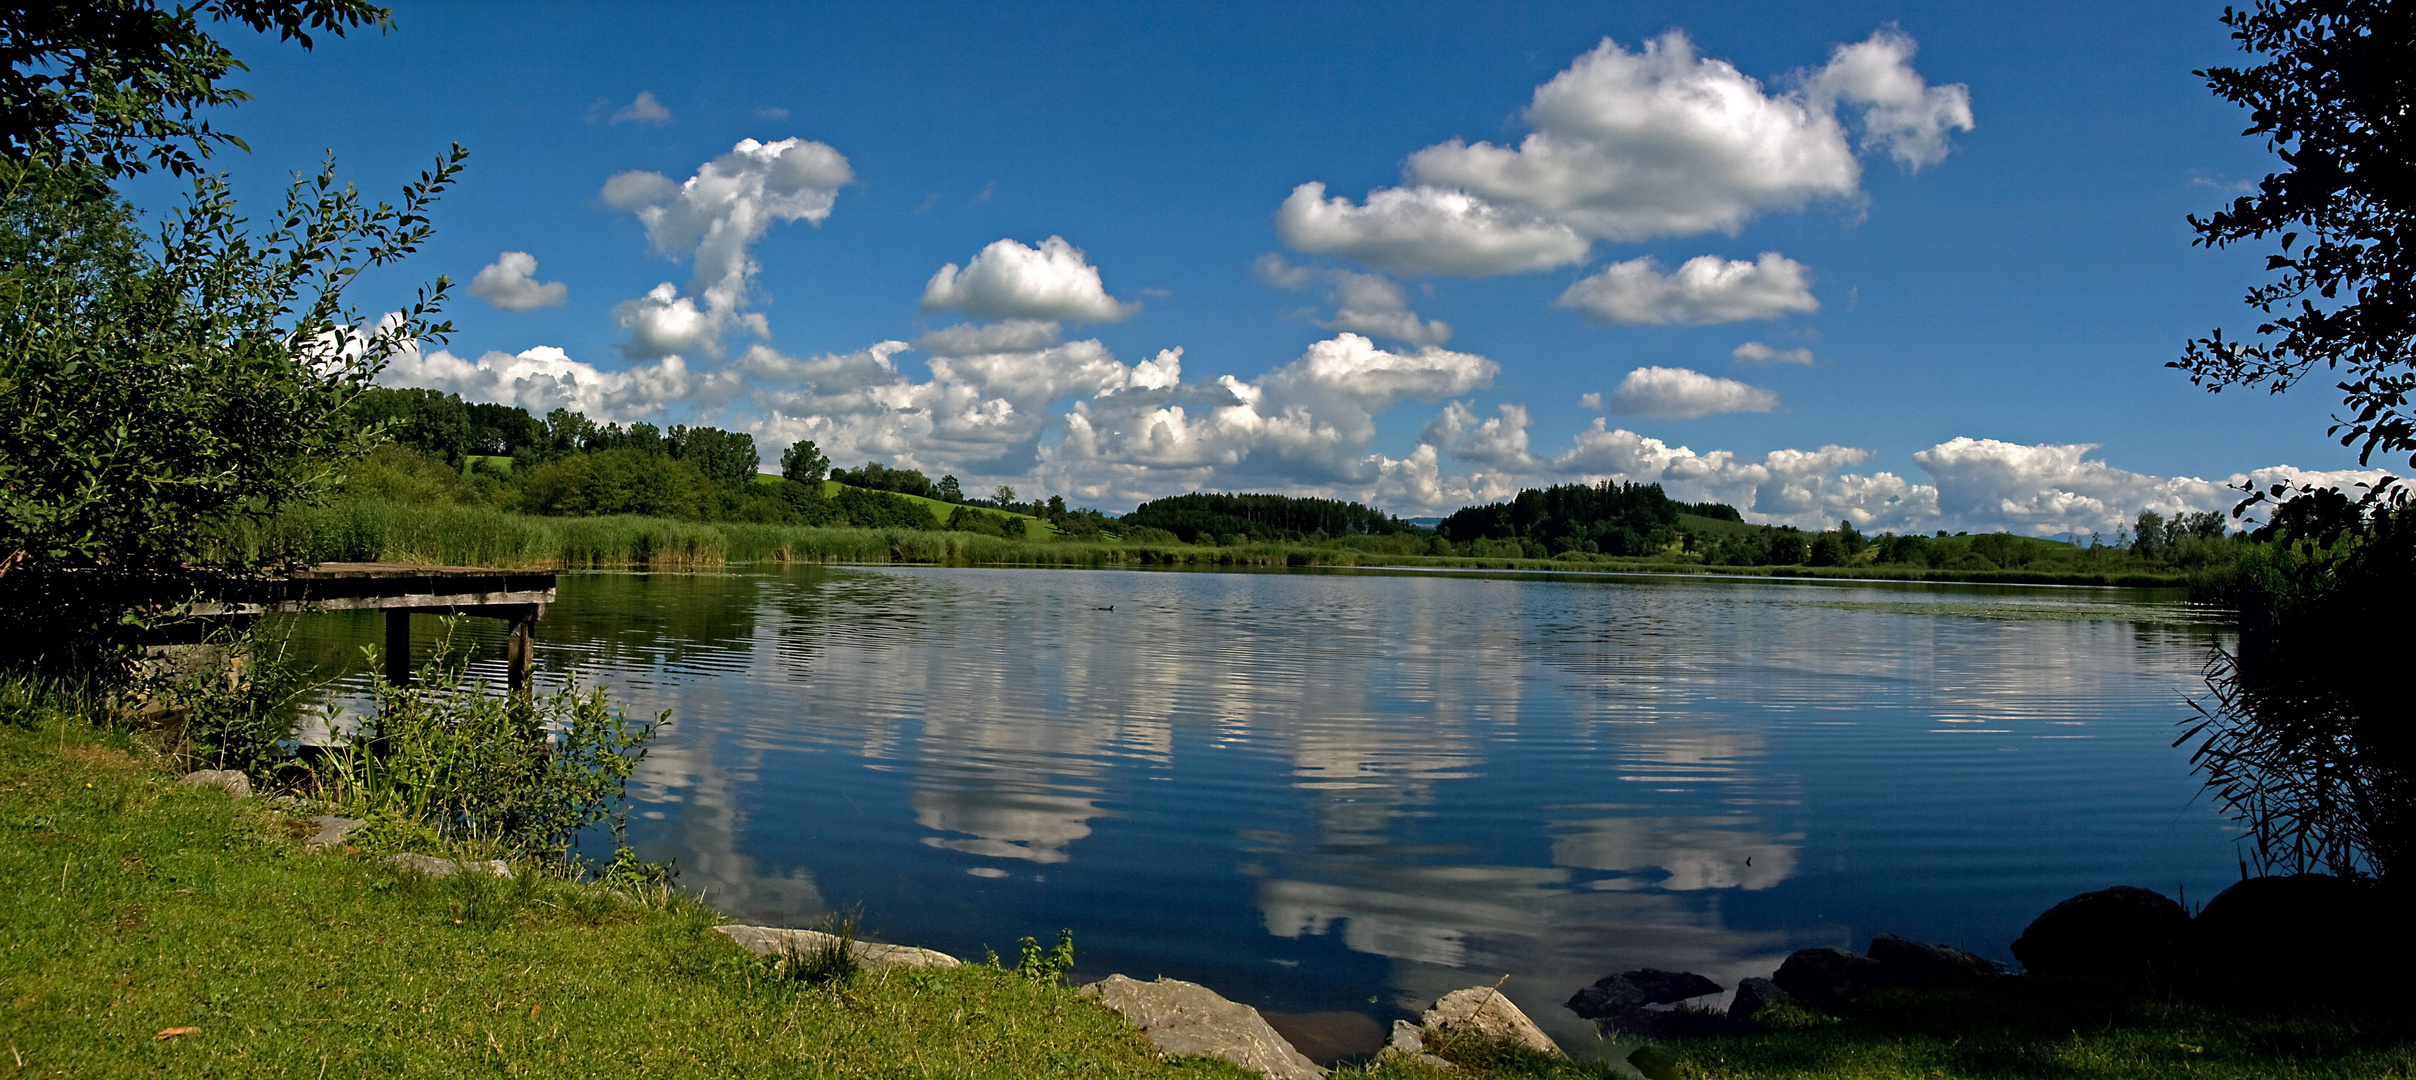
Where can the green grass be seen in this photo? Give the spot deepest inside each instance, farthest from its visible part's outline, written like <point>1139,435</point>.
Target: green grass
<point>137,905</point>
<point>2025,1027</point>
<point>1034,528</point>
<point>375,530</point>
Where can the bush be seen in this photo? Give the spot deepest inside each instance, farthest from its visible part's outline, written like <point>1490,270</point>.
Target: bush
<point>628,480</point>
<point>522,773</point>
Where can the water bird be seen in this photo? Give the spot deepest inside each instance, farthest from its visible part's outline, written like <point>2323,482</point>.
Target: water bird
<point>1110,607</point>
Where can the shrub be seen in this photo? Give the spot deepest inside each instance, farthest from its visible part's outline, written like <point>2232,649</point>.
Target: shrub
<point>523,773</point>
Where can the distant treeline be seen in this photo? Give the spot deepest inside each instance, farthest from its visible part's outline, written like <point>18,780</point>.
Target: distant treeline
<point>1606,518</point>
<point>567,466</point>
<point>1208,517</point>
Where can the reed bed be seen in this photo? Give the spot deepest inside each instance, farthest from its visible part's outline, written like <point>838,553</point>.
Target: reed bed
<point>373,530</point>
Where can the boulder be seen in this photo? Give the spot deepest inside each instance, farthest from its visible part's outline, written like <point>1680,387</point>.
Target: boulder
<point>2299,934</point>
<point>1483,1010</point>
<point>1409,1044</point>
<point>2122,931</point>
<point>434,867</point>
<point>1187,1018</point>
<point>1628,991</point>
<point>1828,978</point>
<point>780,941</point>
<point>231,781</point>
<point>332,831</point>
<point>1915,965</point>
<point>1754,995</point>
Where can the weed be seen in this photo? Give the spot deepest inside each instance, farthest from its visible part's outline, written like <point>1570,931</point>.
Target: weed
<point>1046,966</point>
<point>827,960</point>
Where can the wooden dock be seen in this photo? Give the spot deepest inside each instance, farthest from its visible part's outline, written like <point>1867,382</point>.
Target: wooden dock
<point>401,591</point>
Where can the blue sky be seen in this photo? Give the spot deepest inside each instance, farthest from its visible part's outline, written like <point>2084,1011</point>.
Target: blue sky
<point>1968,219</point>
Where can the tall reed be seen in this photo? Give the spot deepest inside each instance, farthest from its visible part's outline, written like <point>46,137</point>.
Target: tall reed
<point>376,530</point>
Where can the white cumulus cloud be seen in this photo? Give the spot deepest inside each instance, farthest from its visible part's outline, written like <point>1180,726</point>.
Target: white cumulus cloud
<point>716,216</point>
<point>1627,146</point>
<point>1901,114</point>
<point>1756,353</point>
<point>1425,230</point>
<point>1377,305</point>
<point>1008,280</point>
<point>1706,289</point>
<point>510,283</point>
<point>1686,394</point>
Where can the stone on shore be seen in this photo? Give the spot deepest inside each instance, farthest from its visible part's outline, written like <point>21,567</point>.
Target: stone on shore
<point>2122,931</point>
<point>781,941</point>
<point>1827,978</point>
<point>231,781</point>
<point>1483,1010</point>
<point>1916,965</point>
<point>332,831</point>
<point>2300,934</point>
<point>1754,995</point>
<point>434,867</point>
<point>1628,991</point>
<point>1187,1018</point>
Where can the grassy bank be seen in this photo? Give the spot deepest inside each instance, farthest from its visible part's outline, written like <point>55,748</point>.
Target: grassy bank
<point>368,530</point>
<point>155,927</point>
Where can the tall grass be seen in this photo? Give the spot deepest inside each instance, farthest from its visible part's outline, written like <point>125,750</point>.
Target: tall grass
<point>376,530</point>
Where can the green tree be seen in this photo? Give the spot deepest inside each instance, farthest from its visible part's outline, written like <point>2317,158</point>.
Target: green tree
<point>156,394</point>
<point>726,456</point>
<point>625,480</point>
<point>950,490</point>
<point>109,88</point>
<point>2305,740</point>
<point>2333,100</point>
<point>803,462</point>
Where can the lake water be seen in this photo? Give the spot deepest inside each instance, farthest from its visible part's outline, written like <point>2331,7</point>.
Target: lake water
<point>1337,796</point>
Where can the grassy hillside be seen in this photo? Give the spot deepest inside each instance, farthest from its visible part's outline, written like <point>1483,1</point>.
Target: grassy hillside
<point>1034,528</point>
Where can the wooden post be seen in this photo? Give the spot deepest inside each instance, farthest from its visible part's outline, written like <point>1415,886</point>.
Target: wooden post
<point>520,649</point>
<point>398,646</point>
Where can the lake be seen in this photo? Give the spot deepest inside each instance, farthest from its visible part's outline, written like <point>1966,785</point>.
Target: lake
<point>1336,796</point>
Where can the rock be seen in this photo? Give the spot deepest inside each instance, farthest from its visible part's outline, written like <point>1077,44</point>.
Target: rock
<point>2122,931</point>
<point>231,781</point>
<point>1408,1044</point>
<point>1187,1018</point>
<point>777,941</point>
<point>1754,995</point>
<point>444,868</point>
<point>1654,1062</point>
<point>1628,991</point>
<point>1827,978</point>
<point>332,831</point>
<point>2299,934</point>
<point>1914,965</point>
<point>1484,1011</point>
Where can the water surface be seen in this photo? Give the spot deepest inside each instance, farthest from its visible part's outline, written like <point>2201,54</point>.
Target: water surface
<point>1336,796</point>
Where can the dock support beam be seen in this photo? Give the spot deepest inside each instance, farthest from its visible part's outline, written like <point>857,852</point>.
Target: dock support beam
<point>398,645</point>
<point>520,650</point>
